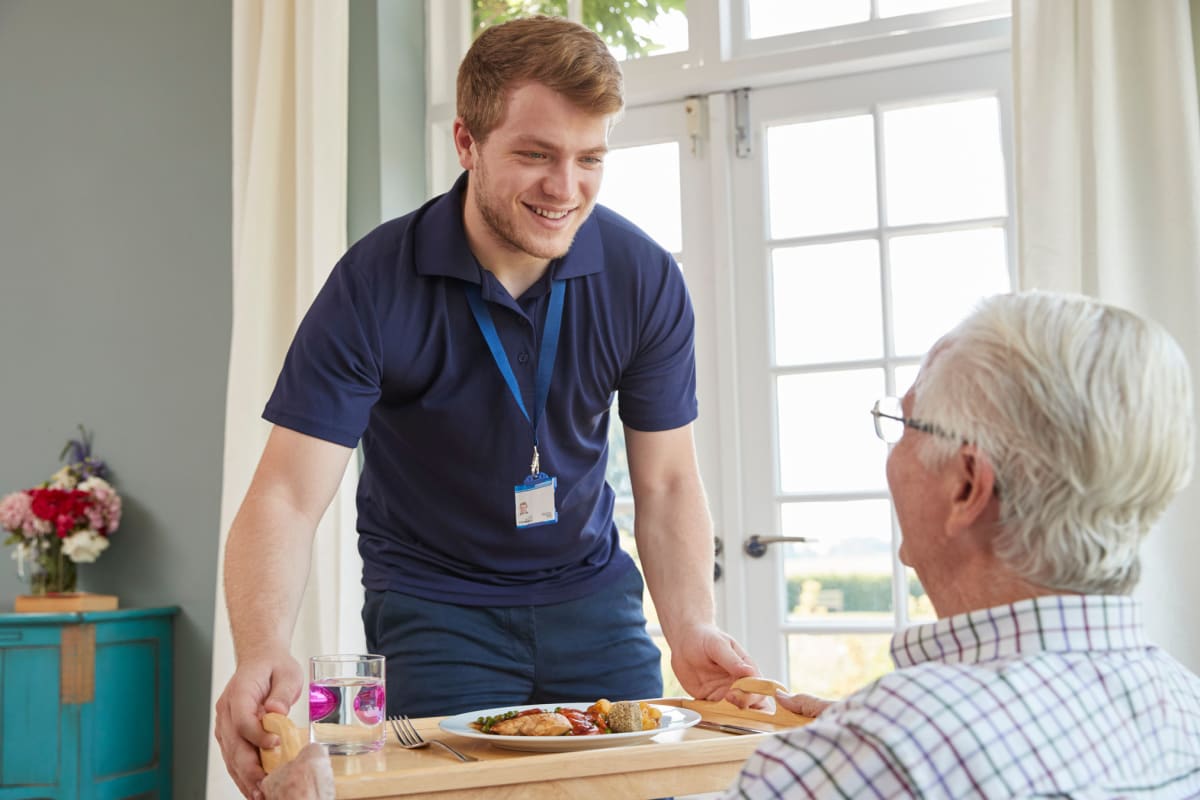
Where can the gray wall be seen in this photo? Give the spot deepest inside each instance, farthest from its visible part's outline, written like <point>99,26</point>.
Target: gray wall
<point>387,112</point>
<point>115,274</point>
<point>115,227</point>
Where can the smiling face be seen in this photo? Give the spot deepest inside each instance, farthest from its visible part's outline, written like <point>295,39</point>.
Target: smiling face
<point>533,180</point>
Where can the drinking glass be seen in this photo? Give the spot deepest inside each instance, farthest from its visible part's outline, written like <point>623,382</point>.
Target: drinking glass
<point>347,702</point>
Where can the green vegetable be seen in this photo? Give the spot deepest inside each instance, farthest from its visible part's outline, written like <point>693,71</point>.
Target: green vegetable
<point>485,723</point>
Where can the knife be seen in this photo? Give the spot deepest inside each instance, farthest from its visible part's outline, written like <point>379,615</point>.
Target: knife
<point>726,728</point>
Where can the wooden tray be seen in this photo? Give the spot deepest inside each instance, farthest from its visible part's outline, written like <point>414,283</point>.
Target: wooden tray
<point>698,760</point>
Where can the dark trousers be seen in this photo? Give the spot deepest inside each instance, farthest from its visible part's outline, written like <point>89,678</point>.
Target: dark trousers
<point>445,659</point>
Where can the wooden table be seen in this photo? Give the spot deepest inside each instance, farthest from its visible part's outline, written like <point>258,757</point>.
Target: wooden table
<point>678,762</point>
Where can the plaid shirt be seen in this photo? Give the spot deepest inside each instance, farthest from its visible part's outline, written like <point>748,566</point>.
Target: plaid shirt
<point>1054,696</point>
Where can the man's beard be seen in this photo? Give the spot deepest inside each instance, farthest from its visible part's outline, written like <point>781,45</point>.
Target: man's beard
<point>504,227</point>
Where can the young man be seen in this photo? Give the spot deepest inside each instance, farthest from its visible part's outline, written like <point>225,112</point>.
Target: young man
<point>1042,439</point>
<point>473,347</point>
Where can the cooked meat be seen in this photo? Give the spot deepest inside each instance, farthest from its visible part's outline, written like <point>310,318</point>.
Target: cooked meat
<point>625,717</point>
<point>545,724</point>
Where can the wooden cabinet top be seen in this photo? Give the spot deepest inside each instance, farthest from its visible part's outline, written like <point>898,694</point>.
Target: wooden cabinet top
<point>78,617</point>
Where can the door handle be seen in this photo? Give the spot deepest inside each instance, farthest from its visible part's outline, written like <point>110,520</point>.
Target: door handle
<point>756,546</point>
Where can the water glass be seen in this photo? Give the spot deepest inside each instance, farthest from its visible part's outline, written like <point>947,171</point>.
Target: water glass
<point>347,703</point>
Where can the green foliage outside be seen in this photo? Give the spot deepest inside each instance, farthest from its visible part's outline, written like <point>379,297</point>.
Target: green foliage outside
<point>859,592</point>
<point>613,21</point>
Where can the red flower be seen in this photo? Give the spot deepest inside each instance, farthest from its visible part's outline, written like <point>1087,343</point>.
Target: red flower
<point>66,508</point>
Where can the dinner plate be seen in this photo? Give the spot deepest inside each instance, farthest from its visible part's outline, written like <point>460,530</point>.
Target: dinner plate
<point>674,720</point>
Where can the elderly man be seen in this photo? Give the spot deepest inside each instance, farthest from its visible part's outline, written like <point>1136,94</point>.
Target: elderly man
<point>1042,439</point>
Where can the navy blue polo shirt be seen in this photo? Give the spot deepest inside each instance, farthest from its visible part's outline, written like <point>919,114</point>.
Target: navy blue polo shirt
<point>390,354</point>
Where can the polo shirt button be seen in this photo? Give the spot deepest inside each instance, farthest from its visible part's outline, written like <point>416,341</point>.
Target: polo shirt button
<point>523,357</point>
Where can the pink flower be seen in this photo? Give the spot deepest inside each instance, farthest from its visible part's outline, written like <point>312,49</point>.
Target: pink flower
<point>14,510</point>
<point>104,510</point>
<point>16,516</point>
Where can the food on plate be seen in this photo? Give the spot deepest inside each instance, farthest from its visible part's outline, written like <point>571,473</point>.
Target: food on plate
<point>628,716</point>
<point>603,716</point>
<point>536,724</point>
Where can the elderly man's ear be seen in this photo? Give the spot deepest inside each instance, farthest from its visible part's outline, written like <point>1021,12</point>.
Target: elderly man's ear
<point>975,498</point>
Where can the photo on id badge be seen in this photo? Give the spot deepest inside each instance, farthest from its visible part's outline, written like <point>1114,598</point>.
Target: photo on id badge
<point>535,503</point>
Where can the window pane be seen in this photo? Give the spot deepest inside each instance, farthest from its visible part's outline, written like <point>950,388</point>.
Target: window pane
<point>618,462</point>
<point>637,30</point>
<point>631,30</point>
<point>827,302</point>
<point>847,570</point>
<point>833,666</point>
<point>642,184</point>
<point>671,686</point>
<point>493,12</point>
<point>944,162</point>
<point>779,17</point>
<point>629,545</point>
<point>894,8</point>
<point>905,377</point>
<point>920,609</point>
<point>826,439</point>
<point>821,176</point>
<point>937,278</point>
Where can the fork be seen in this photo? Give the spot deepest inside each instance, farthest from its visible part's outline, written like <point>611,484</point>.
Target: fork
<point>410,738</point>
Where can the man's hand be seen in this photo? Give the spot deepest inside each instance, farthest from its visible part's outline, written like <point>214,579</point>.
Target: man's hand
<point>806,705</point>
<point>308,776</point>
<point>707,661</point>
<point>270,683</point>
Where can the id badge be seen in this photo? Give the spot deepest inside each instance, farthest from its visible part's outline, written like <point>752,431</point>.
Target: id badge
<point>534,501</point>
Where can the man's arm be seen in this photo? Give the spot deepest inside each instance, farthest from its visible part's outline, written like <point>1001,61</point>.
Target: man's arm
<point>675,541</point>
<point>267,560</point>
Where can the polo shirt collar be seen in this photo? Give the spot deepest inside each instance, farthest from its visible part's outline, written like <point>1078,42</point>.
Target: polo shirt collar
<point>440,246</point>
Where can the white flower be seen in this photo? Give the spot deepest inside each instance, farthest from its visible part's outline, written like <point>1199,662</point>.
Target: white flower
<point>94,485</point>
<point>84,547</point>
<point>63,479</point>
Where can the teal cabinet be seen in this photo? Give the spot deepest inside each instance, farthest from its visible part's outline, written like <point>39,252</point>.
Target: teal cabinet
<point>85,705</point>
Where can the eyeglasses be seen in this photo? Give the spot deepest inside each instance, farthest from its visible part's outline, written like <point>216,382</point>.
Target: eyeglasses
<point>890,421</point>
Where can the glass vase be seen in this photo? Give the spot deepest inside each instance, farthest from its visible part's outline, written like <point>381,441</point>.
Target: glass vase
<point>53,573</point>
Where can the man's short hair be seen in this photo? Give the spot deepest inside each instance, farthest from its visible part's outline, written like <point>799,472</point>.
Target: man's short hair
<point>1084,411</point>
<point>561,55</point>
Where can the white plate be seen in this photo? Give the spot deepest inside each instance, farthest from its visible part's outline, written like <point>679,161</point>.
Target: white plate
<point>670,727</point>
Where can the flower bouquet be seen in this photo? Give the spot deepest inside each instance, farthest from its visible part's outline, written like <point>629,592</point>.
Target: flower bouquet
<point>63,522</point>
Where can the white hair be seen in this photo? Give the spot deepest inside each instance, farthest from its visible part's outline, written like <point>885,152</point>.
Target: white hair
<point>1084,411</point>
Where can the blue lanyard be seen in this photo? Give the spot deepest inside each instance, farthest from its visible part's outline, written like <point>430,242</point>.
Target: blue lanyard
<point>541,388</point>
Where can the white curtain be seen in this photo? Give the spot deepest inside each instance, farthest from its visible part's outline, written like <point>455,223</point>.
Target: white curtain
<point>1108,184</point>
<point>290,62</point>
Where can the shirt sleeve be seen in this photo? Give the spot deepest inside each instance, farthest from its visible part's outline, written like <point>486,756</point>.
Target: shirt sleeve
<point>657,391</point>
<point>832,757</point>
<point>331,375</point>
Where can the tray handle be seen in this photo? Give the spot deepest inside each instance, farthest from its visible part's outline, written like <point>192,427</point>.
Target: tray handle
<point>768,688</point>
<point>781,717</point>
<point>757,685</point>
<point>290,742</point>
